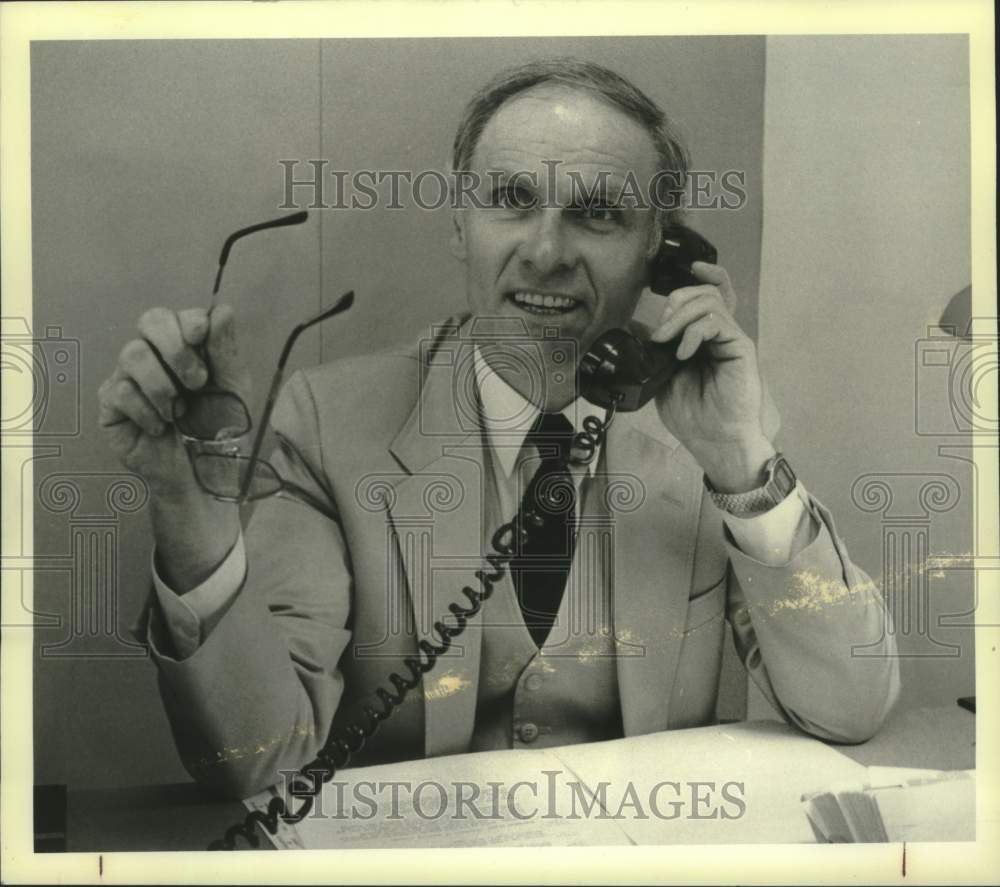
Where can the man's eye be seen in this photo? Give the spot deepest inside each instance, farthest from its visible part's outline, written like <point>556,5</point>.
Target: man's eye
<point>511,197</point>
<point>600,213</point>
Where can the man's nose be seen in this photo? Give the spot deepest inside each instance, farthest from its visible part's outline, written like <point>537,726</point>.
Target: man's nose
<point>548,245</point>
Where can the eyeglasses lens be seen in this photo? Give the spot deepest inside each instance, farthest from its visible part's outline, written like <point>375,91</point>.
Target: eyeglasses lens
<point>226,475</point>
<point>214,416</point>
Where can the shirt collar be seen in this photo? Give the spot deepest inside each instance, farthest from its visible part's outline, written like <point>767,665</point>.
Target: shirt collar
<point>508,416</point>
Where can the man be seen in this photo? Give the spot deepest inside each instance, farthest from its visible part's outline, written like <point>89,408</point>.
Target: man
<point>615,624</point>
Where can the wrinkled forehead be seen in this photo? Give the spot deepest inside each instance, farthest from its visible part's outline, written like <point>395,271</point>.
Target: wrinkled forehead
<point>565,128</point>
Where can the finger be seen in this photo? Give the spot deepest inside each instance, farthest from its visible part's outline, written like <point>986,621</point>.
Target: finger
<point>705,329</point>
<point>676,321</point>
<point>138,362</point>
<point>194,325</point>
<point>718,276</point>
<point>680,297</point>
<point>223,350</point>
<point>108,413</point>
<point>123,437</point>
<point>162,329</point>
<point>121,401</point>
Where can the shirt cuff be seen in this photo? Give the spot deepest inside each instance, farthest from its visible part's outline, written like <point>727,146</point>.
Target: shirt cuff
<point>775,536</point>
<point>190,615</point>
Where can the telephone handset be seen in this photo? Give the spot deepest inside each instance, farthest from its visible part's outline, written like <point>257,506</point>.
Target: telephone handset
<point>621,370</point>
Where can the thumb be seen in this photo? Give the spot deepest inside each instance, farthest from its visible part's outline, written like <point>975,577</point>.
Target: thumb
<point>229,370</point>
<point>194,325</point>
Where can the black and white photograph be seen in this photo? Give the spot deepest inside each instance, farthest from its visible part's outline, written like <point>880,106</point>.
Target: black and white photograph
<point>429,436</point>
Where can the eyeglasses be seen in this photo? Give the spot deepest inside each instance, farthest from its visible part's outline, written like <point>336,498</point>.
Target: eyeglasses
<point>215,422</point>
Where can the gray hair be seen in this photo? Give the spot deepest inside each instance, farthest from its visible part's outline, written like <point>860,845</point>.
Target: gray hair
<point>590,77</point>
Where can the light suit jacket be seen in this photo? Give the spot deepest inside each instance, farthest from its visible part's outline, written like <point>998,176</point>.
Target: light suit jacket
<point>330,608</point>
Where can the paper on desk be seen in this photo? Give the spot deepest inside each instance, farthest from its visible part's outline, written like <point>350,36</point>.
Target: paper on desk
<point>897,804</point>
<point>887,777</point>
<point>768,764</point>
<point>936,809</point>
<point>733,784</point>
<point>517,798</point>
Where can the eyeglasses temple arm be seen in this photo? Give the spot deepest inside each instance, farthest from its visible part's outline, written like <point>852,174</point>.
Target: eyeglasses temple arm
<point>343,304</point>
<point>293,219</point>
<point>309,499</point>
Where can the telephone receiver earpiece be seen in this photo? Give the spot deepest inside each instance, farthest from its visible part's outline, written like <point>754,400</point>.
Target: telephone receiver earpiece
<point>624,372</point>
<point>680,246</point>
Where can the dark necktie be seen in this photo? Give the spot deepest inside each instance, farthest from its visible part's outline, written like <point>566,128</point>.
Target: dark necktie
<point>548,511</point>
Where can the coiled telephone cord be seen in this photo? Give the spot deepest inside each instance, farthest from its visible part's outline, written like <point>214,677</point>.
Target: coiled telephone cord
<point>339,747</point>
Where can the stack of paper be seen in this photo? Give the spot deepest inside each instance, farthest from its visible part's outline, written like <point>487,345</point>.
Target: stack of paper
<point>897,804</point>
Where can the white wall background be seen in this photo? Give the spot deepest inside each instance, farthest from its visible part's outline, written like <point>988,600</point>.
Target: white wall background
<point>865,238</point>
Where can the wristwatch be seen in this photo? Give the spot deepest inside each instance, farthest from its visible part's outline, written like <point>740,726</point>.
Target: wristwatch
<point>780,482</point>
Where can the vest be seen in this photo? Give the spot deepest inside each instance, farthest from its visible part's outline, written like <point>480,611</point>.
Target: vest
<point>566,692</point>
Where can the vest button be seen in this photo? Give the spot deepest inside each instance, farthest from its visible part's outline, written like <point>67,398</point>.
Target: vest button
<point>533,682</point>
<point>529,732</point>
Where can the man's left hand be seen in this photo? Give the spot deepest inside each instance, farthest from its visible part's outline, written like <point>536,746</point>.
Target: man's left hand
<point>712,403</point>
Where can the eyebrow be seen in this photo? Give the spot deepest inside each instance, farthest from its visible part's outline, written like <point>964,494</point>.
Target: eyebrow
<point>608,191</point>
<point>610,196</point>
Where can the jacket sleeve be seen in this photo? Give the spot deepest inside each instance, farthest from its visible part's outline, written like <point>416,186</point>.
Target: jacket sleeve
<point>258,695</point>
<point>815,635</point>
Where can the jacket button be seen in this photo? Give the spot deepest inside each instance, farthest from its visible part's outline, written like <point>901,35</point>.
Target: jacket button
<point>529,732</point>
<point>533,681</point>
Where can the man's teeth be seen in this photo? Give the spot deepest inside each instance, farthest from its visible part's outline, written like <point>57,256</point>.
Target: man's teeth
<point>537,300</point>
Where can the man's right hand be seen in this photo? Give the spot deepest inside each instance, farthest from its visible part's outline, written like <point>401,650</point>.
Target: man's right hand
<point>193,531</point>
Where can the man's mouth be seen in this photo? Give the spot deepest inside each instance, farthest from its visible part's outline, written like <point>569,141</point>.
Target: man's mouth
<point>543,303</point>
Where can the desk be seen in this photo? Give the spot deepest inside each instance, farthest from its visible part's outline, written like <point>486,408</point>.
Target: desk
<point>935,738</point>
<point>183,817</point>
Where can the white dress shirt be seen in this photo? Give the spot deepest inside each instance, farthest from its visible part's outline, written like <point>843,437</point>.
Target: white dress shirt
<point>772,537</point>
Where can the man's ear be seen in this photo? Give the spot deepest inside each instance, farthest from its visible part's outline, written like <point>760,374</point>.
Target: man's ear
<point>655,234</point>
<point>458,249</point>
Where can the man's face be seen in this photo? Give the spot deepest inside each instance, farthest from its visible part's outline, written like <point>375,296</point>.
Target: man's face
<point>586,266</point>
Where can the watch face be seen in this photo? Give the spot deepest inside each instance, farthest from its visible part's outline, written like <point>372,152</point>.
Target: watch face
<point>782,476</point>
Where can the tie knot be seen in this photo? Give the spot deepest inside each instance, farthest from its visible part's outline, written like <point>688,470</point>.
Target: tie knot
<point>551,430</point>
<point>550,425</point>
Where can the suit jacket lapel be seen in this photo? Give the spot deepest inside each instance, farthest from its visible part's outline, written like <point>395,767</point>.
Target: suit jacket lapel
<point>436,511</point>
<point>655,520</point>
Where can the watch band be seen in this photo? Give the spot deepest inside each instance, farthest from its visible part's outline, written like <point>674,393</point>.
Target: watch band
<point>780,482</point>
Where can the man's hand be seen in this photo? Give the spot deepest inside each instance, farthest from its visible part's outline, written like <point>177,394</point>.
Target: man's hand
<point>712,404</point>
<point>193,531</point>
